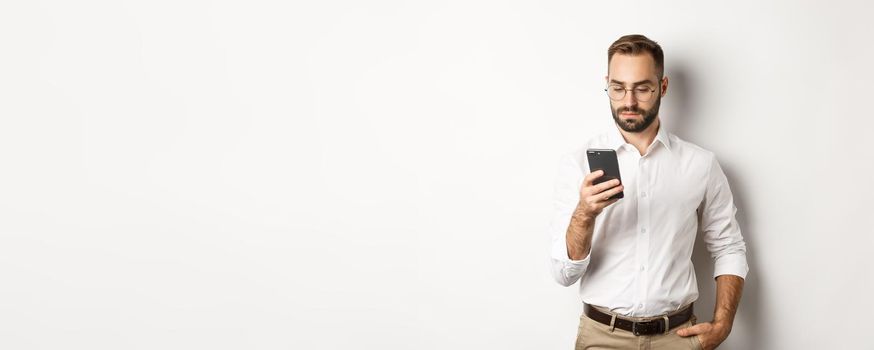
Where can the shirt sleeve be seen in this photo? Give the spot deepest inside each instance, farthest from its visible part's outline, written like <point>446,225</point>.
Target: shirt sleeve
<point>722,234</point>
<point>566,195</point>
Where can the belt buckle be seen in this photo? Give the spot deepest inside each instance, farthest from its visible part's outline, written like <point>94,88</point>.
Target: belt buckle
<point>634,328</point>
<point>637,332</point>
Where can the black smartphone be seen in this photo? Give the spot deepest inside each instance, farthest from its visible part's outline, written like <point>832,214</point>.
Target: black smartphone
<point>605,159</point>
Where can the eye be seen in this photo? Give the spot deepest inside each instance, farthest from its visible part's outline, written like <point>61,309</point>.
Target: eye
<point>616,88</point>
<point>643,89</point>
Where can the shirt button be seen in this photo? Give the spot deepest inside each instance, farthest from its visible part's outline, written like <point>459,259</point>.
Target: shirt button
<point>643,194</point>
<point>642,267</point>
<point>640,306</point>
<point>643,230</point>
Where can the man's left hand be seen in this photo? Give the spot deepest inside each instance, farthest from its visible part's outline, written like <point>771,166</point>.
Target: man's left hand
<point>710,334</point>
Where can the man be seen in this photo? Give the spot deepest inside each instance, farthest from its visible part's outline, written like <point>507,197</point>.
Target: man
<point>632,256</point>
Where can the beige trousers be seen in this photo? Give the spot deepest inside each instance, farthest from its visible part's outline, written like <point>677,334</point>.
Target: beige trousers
<point>595,335</point>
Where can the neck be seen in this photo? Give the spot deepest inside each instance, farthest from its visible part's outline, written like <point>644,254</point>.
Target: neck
<point>642,140</point>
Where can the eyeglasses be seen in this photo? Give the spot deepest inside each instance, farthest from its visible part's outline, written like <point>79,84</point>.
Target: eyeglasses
<point>616,92</point>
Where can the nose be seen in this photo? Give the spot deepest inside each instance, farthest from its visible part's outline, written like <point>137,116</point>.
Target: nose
<point>629,100</point>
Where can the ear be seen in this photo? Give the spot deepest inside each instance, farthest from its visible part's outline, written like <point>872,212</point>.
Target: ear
<point>664,85</point>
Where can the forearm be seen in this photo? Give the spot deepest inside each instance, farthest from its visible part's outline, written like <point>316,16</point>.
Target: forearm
<point>579,235</point>
<point>728,292</point>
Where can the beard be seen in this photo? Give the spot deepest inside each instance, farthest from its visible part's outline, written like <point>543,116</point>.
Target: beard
<point>633,125</point>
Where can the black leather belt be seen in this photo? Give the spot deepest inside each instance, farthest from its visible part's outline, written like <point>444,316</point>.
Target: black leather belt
<point>655,326</point>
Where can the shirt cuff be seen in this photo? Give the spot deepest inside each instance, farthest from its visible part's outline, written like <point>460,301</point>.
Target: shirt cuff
<point>732,264</point>
<point>559,252</point>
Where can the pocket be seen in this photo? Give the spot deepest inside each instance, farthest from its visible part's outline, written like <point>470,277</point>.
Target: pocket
<point>696,344</point>
<point>581,334</point>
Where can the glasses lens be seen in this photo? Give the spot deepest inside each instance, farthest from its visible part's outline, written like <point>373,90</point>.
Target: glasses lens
<point>616,92</point>
<point>642,94</point>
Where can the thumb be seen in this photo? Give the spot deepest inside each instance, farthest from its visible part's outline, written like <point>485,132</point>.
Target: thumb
<point>689,331</point>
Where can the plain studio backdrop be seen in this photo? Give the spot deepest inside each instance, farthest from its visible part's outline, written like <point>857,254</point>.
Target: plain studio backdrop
<point>378,174</point>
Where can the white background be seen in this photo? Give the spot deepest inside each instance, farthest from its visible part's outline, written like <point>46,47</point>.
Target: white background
<point>378,175</point>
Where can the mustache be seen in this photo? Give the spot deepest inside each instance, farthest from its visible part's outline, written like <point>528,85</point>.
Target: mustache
<point>632,110</point>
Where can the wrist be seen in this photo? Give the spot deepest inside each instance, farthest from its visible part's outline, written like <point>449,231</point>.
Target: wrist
<point>722,325</point>
<point>582,216</point>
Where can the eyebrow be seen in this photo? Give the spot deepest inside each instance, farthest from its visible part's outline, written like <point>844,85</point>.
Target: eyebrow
<point>614,81</point>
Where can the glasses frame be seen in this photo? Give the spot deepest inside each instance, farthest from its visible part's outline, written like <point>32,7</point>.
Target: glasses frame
<point>625,93</point>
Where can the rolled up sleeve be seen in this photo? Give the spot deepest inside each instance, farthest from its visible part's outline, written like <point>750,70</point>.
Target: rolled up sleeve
<point>566,195</point>
<point>721,232</point>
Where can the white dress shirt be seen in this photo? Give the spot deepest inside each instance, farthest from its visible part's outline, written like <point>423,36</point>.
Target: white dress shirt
<point>640,260</point>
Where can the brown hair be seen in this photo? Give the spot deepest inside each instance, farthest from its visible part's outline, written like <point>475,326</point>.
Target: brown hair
<point>636,44</point>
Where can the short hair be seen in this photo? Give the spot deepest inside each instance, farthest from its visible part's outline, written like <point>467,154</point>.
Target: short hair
<point>636,44</point>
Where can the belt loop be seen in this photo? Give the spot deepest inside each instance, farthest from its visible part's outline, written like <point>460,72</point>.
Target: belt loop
<point>612,323</point>
<point>667,324</point>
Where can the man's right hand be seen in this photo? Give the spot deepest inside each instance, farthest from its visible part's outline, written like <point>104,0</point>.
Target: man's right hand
<point>593,199</point>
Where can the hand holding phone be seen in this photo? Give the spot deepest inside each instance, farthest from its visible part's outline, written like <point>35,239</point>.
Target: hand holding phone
<point>605,160</point>
<point>603,185</point>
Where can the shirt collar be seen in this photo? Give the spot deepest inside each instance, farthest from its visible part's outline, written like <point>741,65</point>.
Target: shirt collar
<point>616,141</point>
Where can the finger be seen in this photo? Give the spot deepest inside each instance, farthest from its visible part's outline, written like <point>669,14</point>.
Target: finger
<point>587,181</point>
<point>615,190</point>
<point>608,203</point>
<point>690,331</point>
<point>603,199</point>
<point>601,187</point>
<point>609,193</point>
